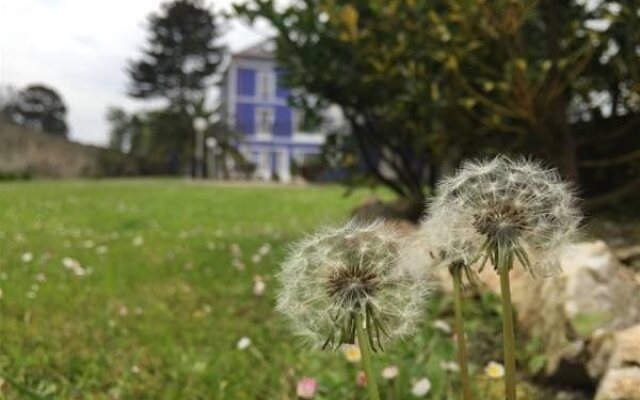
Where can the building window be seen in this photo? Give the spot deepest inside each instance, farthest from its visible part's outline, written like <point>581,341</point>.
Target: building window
<point>265,119</point>
<point>266,85</point>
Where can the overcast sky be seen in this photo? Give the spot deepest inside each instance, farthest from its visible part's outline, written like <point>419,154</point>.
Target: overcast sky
<point>81,47</point>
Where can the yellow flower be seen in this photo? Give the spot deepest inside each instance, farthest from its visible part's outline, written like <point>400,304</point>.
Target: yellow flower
<point>494,370</point>
<point>352,353</point>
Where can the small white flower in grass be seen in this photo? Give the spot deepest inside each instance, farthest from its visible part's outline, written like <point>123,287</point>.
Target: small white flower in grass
<point>264,249</point>
<point>256,258</point>
<point>74,266</point>
<point>199,367</point>
<point>235,249</point>
<point>237,264</point>
<point>102,249</point>
<point>138,241</point>
<point>27,257</point>
<point>337,276</point>
<point>259,286</point>
<point>442,326</point>
<point>88,244</point>
<point>390,372</point>
<point>352,353</point>
<point>421,387</point>
<point>450,366</point>
<point>494,370</point>
<point>69,263</point>
<point>243,343</point>
<point>135,369</point>
<point>1,293</point>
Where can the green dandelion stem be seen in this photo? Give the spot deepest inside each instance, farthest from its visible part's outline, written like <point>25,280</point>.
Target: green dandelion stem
<point>456,272</point>
<point>365,350</point>
<point>505,261</point>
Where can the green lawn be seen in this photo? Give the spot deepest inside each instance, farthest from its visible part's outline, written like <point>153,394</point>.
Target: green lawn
<point>129,290</point>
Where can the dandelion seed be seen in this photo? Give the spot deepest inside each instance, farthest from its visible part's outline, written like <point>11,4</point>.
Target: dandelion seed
<point>391,372</point>
<point>243,343</point>
<point>442,326</point>
<point>27,257</point>
<point>306,388</point>
<point>421,388</point>
<point>494,370</point>
<point>352,353</point>
<point>336,276</point>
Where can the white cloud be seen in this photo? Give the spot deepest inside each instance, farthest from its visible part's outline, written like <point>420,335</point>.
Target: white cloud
<point>81,48</point>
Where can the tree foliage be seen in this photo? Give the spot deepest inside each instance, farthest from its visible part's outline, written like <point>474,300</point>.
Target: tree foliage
<point>181,54</point>
<point>38,107</point>
<point>424,83</point>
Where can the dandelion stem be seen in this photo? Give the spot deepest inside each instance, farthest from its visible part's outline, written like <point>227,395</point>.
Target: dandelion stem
<point>456,273</point>
<point>508,338</point>
<point>372,386</point>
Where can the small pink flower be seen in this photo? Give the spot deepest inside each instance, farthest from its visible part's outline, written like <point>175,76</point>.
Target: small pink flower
<point>361,379</point>
<point>306,388</point>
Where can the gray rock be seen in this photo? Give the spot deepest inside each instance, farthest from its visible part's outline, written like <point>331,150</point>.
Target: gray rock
<point>576,313</point>
<point>620,384</point>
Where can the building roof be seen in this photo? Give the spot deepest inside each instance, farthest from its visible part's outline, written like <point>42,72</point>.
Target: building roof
<point>263,50</point>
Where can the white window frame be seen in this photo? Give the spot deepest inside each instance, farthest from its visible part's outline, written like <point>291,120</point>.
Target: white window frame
<point>261,129</point>
<point>265,79</point>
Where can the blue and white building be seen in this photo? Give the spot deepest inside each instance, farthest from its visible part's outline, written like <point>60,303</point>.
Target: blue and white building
<point>255,103</point>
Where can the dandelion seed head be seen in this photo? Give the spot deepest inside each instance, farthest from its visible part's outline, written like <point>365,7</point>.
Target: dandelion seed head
<point>335,275</point>
<point>517,203</point>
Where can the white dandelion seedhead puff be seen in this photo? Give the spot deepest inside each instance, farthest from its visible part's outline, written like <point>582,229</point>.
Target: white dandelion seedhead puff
<point>336,276</point>
<point>515,204</point>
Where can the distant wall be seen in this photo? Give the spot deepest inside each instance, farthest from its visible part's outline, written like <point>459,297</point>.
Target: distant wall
<point>26,152</point>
